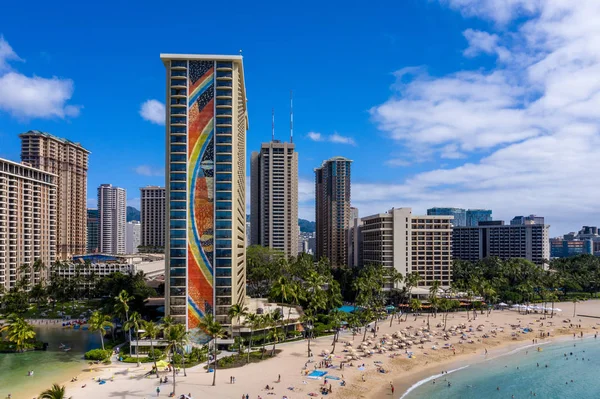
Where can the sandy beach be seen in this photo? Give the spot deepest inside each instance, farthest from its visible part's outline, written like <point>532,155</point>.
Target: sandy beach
<point>493,333</point>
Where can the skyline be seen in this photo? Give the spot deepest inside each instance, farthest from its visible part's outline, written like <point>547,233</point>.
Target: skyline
<point>500,114</point>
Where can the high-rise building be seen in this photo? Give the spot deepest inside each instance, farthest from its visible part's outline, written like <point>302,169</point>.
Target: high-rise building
<point>112,219</point>
<point>27,221</point>
<point>92,231</point>
<point>494,238</point>
<point>69,162</point>
<point>153,215</point>
<point>205,244</point>
<point>408,243</point>
<point>133,237</point>
<point>274,197</point>
<point>560,248</point>
<point>355,242</point>
<point>332,208</point>
<point>531,219</point>
<point>474,216</point>
<point>459,215</point>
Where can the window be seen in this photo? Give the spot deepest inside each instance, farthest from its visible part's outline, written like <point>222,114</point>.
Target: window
<point>177,234</point>
<point>223,93</point>
<point>178,92</point>
<point>223,186</point>
<point>222,224</point>
<point>223,139</point>
<point>221,195</point>
<point>222,120</point>
<point>177,224</point>
<point>178,119</point>
<point>177,205</point>
<point>221,177</point>
<point>223,282</point>
<point>177,176</point>
<point>177,148</point>
<point>223,206</point>
<point>221,83</point>
<point>221,111</point>
<point>181,291</point>
<point>223,214</point>
<point>223,272</point>
<point>225,253</point>
<point>223,291</point>
<point>177,243</point>
<point>224,148</point>
<point>178,253</point>
<point>223,168</point>
<point>223,244</point>
<point>178,186</point>
<point>223,234</point>
<point>178,82</point>
<point>177,282</point>
<point>177,111</point>
<point>178,196</point>
<point>177,129</point>
<point>178,158</point>
<point>223,130</point>
<point>177,271</point>
<point>179,63</point>
<point>178,167</point>
<point>178,139</point>
<point>223,263</point>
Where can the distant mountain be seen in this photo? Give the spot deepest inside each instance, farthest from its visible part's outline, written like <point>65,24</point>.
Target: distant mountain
<point>132,214</point>
<point>306,226</point>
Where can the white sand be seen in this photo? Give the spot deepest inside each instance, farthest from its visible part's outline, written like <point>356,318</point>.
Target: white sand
<point>252,379</point>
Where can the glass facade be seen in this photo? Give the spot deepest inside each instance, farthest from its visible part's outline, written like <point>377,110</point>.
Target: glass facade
<point>460,215</point>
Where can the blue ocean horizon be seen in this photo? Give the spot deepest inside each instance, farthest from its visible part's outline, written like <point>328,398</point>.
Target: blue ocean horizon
<point>524,373</point>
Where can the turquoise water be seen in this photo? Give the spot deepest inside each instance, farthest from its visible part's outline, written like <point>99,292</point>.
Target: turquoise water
<point>518,374</point>
<point>51,366</point>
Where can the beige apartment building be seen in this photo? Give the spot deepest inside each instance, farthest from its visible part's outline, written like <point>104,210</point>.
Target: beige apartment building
<point>153,215</point>
<point>332,208</point>
<point>408,243</point>
<point>205,244</point>
<point>274,197</point>
<point>28,208</point>
<point>69,162</point>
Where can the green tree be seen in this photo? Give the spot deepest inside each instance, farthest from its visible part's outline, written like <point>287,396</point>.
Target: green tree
<point>415,306</point>
<point>236,312</point>
<point>99,322</point>
<point>121,308</point>
<point>177,338</point>
<point>55,392</point>
<point>308,319</point>
<point>214,330</point>
<point>253,321</point>
<point>335,319</point>
<point>134,322</point>
<point>276,318</point>
<point>151,331</point>
<point>18,332</point>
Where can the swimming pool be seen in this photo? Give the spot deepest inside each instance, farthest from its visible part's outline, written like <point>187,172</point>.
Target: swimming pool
<point>317,373</point>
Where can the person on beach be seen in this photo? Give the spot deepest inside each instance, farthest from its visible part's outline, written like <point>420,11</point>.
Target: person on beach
<point>392,387</point>
<point>157,391</point>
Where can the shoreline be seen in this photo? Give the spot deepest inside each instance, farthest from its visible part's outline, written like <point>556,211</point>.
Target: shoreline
<point>417,376</point>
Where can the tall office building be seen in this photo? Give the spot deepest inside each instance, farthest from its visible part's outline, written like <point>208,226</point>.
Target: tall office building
<point>92,231</point>
<point>355,242</point>
<point>332,208</point>
<point>474,216</point>
<point>69,161</point>
<point>459,215</point>
<point>27,221</point>
<point>133,237</point>
<point>274,197</point>
<point>205,244</point>
<point>112,219</point>
<point>153,215</point>
<point>409,243</point>
<point>528,241</point>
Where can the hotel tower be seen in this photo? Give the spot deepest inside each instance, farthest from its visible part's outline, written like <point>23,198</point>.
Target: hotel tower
<point>205,246</point>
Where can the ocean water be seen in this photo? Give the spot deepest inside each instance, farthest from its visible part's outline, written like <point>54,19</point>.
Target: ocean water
<point>518,374</point>
<point>51,366</point>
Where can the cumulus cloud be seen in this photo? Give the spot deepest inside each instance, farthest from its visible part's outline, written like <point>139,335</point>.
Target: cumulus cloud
<point>153,111</point>
<point>334,138</point>
<point>26,97</point>
<point>529,131</point>
<point>484,42</point>
<point>147,170</point>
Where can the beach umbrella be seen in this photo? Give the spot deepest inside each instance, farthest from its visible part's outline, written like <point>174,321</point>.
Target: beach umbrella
<point>502,304</point>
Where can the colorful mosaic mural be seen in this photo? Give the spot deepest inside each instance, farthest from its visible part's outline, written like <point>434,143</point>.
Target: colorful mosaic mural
<point>200,190</point>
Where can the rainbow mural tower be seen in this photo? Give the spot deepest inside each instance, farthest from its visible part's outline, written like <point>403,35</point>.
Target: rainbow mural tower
<point>206,123</point>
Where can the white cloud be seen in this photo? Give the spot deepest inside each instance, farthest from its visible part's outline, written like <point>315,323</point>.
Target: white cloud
<point>7,54</point>
<point>153,111</point>
<point>314,136</point>
<point>334,138</point>
<point>27,97</point>
<point>395,162</point>
<point>92,202</point>
<point>530,128</point>
<point>484,42</point>
<point>146,170</point>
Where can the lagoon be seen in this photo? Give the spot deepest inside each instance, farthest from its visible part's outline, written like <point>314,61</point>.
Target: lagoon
<point>51,366</point>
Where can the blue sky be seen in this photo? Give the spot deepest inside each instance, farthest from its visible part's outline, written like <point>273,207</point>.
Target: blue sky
<point>439,103</point>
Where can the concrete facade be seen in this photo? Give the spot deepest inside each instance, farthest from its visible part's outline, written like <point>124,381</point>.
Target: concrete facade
<point>133,237</point>
<point>28,219</point>
<point>112,219</point>
<point>274,197</point>
<point>332,210</point>
<point>153,215</point>
<point>69,162</point>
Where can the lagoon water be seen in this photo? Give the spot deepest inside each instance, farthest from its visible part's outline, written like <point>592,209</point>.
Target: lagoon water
<point>518,374</point>
<point>51,366</point>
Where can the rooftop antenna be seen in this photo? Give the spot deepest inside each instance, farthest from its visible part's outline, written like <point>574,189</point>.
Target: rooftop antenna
<point>291,117</point>
<point>272,124</point>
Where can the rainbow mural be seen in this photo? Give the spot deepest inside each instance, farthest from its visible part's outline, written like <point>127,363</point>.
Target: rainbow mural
<point>200,191</point>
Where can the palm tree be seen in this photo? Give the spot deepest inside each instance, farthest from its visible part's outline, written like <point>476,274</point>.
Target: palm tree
<point>215,330</point>
<point>18,332</point>
<point>296,293</point>
<point>99,322</point>
<point>151,331</point>
<point>265,322</point>
<point>335,318</point>
<point>252,319</point>
<point>308,319</point>
<point>134,322</point>
<point>276,318</point>
<point>122,309</point>
<point>236,312</point>
<point>56,392</point>
<point>176,337</point>
<point>415,306</point>
<point>574,300</point>
<point>433,291</point>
